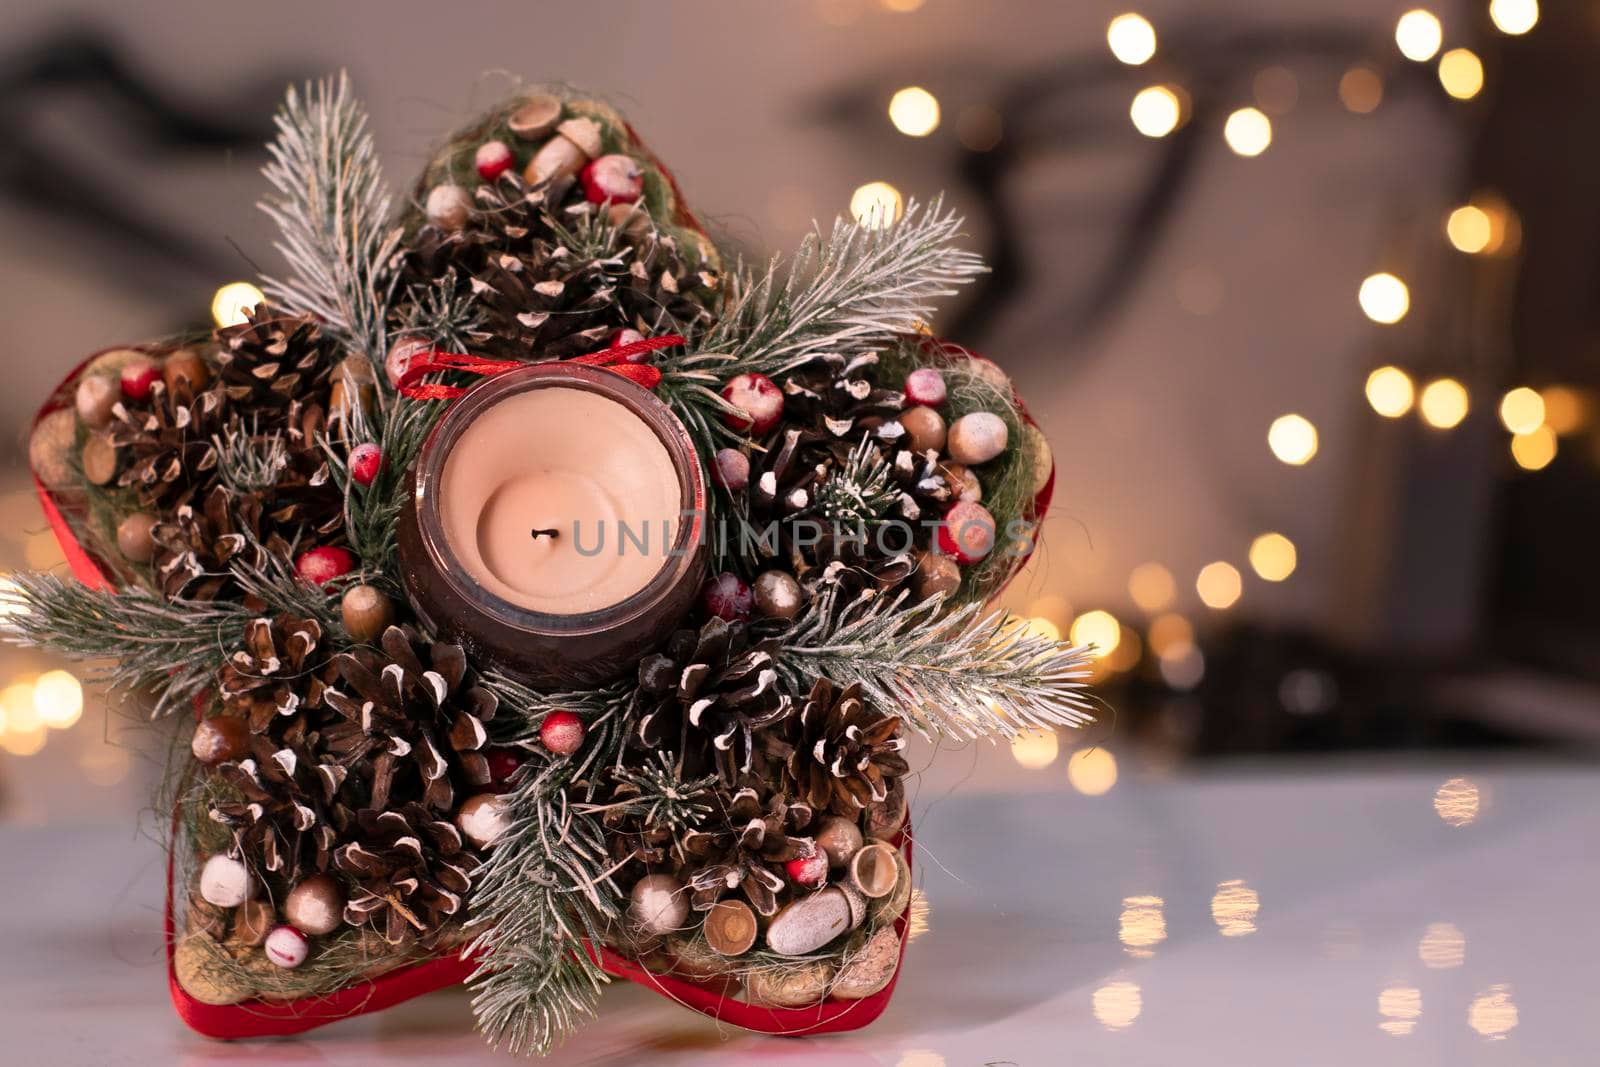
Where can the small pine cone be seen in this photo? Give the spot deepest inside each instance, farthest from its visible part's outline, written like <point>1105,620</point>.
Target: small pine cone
<point>846,755</point>
<point>705,697</point>
<point>288,804</point>
<point>836,399</point>
<point>410,869</point>
<point>275,678</point>
<point>422,717</point>
<point>196,547</point>
<point>167,445</point>
<point>749,852</point>
<point>279,366</point>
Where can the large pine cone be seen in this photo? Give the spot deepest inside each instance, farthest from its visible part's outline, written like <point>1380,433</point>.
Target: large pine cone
<point>198,546</point>
<point>167,443</point>
<point>705,697</point>
<point>551,277</point>
<point>279,366</point>
<point>423,717</point>
<point>276,675</point>
<point>411,872</point>
<point>749,853</point>
<point>846,755</point>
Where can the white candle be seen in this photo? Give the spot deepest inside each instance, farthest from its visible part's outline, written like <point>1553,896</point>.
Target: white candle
<point>566,460</point>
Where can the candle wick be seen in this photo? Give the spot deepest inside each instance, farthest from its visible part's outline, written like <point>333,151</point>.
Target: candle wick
<point>551,533</point>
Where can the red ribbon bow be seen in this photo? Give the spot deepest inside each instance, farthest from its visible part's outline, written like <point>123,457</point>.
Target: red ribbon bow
<point>614,360</point>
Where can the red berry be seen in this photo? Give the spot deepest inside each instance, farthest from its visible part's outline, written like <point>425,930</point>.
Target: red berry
<point>730,469</point>
<point>925,386</point>
<point>137,378</point>
<point>494,158</point>
<point>758,397</point>
<point>626,336</point>
<point>503,762</point>
<point>366,462</point>
<point>615,178</point>
<point>808,870</point>
<point>323,564</point>
<point>728,598</point>
<point>967,532</point>
<point>562,732</point>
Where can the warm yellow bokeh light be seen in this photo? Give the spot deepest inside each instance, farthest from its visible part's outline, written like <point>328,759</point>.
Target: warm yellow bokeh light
<point>1151,586</point>
<point>1132,39</point>
<point>1092,771</point>
<point>1419,34</point>
<point>1442,946</point>
<point>1469,228</point>
<point>1384,298</point>
<point>1039,626</point>
<point>1457,801</point>
<point>1143,925</point>
<point>1272,556</point>
<point>1443,403</point>
<point>1219,585</point>
<point>1117,1005</point>
<point>1128,652</point>
<point>16,700</point>
<point>876,205</point>
<point>1400,1006</point>
<point>1361,90</point>
<point>914,111</point>
<point>58,698</point>
<point>1248,131</point>
<point>1293,439</point>
<point>1534,451</point>
<point>1055,607</point>
<point>232,301</point>
<point>1234,907</point>
<point>1182,666</point>
<point>1461,73</point>
<point>1522,410</point>
<point>1493,1014</point>
<point>1035,749</point>
<point>1156,111</point>
<point>1169,632</point>
<point>1565,409</point>
<point>1515,17</point>
<point>1276,90</point>
<point>1097,628</point>
<point>1390,392</point>
<point>902,7</point>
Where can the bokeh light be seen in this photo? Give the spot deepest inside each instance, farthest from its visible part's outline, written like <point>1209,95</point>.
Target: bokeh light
<point>1442,946</point>
<point>1361,89</point>
<point>1151,586</point>
<point>1492,1013</point>
<point>1522,410</point>
<point>1272,556</point>
<point>24,729</point>
<point>1399,1008</point>
<point>58,698</point>
<point>1167,632</point>
<point>1419,34</point>
<point>1461,73</point>
<point>914,111</point>
<point>1514,17</point>
<point>1182,666</point>
<point>232,301</point>
<point>1234,907</point>
<point>1444,403</point>
<point>1039,626</point>
<point>1035,749</point>
<point>1384,298</point>
<point>1275,89</point>
<point>1092,771</point>
<point>1132,39</point>
<point>1248,131</point>
<point>1117,1004</point>
<point>1469,228</point>
<point>1457,802</point>
<point>1566,410</point>
<point>1293,439</point>
<point>1142,926</point>
<point>1099,629</point>
<point>1156,110</point>
<point>979,128</point>
<point>1534,451</point>
<point>1391,392</point>
<point>876,205</point>
<point>1219,585</point>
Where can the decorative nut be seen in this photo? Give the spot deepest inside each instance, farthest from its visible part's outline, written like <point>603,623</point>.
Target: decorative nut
<point>536,117</point>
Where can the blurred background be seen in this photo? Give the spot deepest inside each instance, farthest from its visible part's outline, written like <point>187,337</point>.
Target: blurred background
<point>1303,296</point>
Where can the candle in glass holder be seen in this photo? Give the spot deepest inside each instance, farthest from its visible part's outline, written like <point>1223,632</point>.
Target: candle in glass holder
<point>556,525</point>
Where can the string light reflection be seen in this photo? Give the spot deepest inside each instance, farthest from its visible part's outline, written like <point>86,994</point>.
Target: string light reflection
<point>914,111</point>
<point>1457,802</point>
<point>1143,925</point>
<point>1132,39</point>
<point>1234,908</point>
<point>231,301</point>
<point>1492,1013</point>
<point>1442,947</point>
<point>1390,392</point>
<point>1118,1004</point>
<point>1419,34</point>
<point>1444,403</point>
<point>1400,1006</point>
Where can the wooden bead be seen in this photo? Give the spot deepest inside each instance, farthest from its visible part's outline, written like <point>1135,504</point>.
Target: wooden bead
<point>366,611</point>
<point>50,448</point>
<point>839,839</point>
<point>287,947</point>
<point>977,438</point>
<point>220,739</point>
<point>448,207</point>
<point>790,987</point>
<point>925,430</point>
<point>481,819</point>
<point>186,365</point>
<point>252,921</point>
<point>658,904</point>
<point>225,882</point>
<point>870,969</point>
<point>811,921</point>
<point>133,537</point>
<point>873,871</point>
<point>778,595</point>
<point>536,117</point>
<point>99,459</point>
<point>730,927</point>
<point>936,574</point>
<point>316,905</point>
<point>95,397</point>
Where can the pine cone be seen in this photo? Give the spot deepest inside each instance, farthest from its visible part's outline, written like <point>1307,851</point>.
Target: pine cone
<point>195,548</point>
<point>749,853</point>
<point>276,675</point>
<point>648,810</point>
<point>846,755</point>
<point>705,697</point>
<point>411,872</point>
<point>279,366</point>
<point>423,719</point>
<point>551,278</point>
<point>167,443</point>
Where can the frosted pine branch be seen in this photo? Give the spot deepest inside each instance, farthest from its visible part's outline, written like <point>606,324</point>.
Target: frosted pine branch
<point>331,205</point>
<point>958,674</point>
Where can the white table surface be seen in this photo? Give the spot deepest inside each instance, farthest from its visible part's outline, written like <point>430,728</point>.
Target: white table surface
<point>1023,962</point>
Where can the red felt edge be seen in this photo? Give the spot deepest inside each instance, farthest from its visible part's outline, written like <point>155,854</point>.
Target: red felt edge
<point>263,1018</point>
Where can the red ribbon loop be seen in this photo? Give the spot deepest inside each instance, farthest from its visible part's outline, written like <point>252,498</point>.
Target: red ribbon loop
<point>614,360</point>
